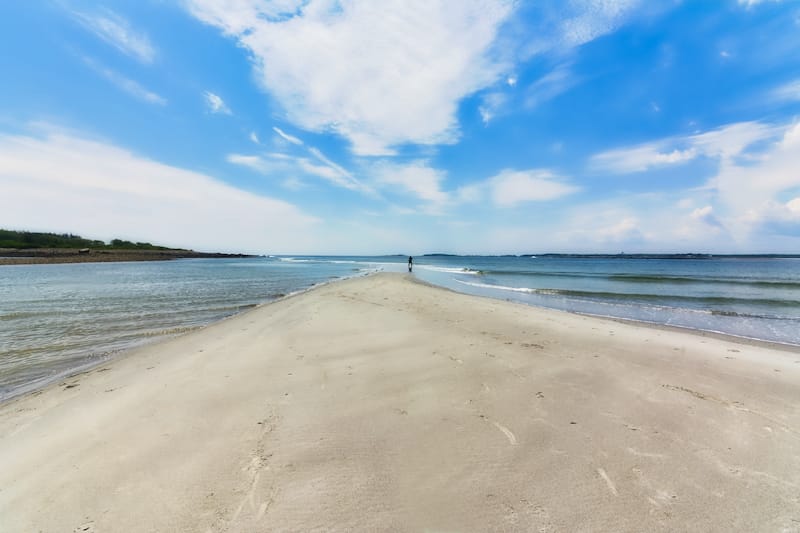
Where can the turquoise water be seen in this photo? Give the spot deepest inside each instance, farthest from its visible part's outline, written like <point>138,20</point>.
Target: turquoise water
<point>57,319</point>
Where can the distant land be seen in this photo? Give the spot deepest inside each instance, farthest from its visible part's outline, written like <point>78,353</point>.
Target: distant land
<point>25,248</point>
<point>639,256</point>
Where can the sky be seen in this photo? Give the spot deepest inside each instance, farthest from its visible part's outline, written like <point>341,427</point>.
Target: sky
<point>405,126</point>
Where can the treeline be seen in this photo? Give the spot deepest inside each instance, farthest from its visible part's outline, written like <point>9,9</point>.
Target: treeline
<point>25,240</point>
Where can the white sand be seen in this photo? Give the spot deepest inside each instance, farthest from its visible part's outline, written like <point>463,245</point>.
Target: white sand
<point>384,404</point>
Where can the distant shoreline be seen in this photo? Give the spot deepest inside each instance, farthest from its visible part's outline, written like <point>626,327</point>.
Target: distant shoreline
<point>38,256</point>
<point>633,256</point>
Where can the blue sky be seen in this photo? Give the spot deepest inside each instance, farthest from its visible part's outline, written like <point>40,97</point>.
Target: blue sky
<point>404,126</point>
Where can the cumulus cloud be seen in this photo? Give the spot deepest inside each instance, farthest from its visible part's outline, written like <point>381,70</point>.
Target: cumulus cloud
<point>750,201</point>
<point>511,187</point>
<point>215,103</point>
<point>66,182</point>
<point>706,216</point>
<point>417,178</point>
<point>751,190</point>
<point>117,32</point>
<point>380,74</point>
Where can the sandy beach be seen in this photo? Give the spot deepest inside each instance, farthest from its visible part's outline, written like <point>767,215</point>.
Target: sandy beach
<point>381,403</point>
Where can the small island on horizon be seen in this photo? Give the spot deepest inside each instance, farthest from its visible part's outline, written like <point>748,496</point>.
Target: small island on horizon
<point>27,248</point>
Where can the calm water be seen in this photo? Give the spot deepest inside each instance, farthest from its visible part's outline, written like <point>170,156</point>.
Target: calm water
<point>56,319</point>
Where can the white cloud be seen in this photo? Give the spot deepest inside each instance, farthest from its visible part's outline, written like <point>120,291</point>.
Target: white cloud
<point>788,92</point>
<point>706,216</point>
<point>380,74</point>
<point>63,182</point>
<point>751,3</point>
<point>595,18</point>
<point>286,137</point>
<point>750,191</point>
<point>748,204</point>
<point>558,81</point>
<point>340,176</point>
<point>287,167</point>
<point>625,231</point>
<point>255,162</point>
<point>725,142</point>
<point>254,137</point>
<point>511,187</point>
<point>417,178</point>
<point>640,158</point>
<point>116,31</point>
<point>491,106</point>
<point>215,103</point>
<point>130,86</point>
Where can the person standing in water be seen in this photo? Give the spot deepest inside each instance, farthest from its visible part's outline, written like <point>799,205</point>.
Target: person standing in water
<point>410,263</point>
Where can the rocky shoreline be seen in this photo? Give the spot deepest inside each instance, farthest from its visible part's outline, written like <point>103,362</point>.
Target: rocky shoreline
<point>36,256</point>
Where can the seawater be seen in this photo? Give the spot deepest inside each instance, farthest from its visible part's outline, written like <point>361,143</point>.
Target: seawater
<point>58,319</point>
<point>756,298</point>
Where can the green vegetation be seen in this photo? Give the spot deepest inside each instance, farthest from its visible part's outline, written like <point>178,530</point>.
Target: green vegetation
<point>26,240</point>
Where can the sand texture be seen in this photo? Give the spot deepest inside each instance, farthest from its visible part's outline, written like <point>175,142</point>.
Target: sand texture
<point>380,403</point>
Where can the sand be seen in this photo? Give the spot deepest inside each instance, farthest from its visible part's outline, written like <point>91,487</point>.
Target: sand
<point>380,403</point>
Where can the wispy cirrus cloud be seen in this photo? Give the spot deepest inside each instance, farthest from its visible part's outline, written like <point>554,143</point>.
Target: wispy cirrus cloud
<point>724,142</point>
<point>555,82</point>
<point>751,3</point>
<point>117,32</point>
<point>127,85</point>
<point>788,92</point>
<point>286,137</point>
<point>216,104</point>
<point>290,167</point>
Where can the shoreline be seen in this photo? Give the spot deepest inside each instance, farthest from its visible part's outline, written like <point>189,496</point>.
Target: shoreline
<point>381,402</point>
<point>123,352</point>
<point>720,335</point>
<point>87,367</point>
<point>49,256</point>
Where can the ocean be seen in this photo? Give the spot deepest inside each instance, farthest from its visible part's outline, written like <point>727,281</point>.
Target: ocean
<point>59,319</point>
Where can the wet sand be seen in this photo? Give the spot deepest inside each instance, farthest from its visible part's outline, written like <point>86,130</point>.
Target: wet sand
<point>381,403</point>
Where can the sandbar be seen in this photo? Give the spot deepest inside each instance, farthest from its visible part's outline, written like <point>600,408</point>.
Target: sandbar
<point>381,403</point>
